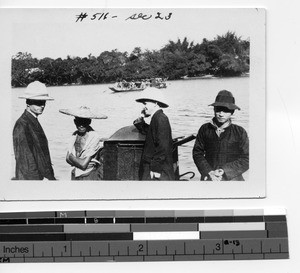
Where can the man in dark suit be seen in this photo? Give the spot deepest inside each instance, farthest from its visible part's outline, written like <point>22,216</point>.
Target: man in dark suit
<point>29,140</point>
<point>221,150</point>
<point>157,160</point>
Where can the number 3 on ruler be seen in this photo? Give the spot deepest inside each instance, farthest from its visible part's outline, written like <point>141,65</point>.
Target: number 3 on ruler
<point>218,246</point>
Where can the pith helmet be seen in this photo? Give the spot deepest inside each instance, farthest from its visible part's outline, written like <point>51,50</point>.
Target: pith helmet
<point>225,99</point>
<point>155,95</point>
<point>36,91</point>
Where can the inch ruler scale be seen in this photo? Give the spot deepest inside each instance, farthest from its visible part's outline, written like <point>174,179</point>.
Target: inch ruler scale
<point>119,236</point>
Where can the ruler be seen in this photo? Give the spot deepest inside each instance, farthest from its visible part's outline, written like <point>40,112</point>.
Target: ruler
<point>120,236</point>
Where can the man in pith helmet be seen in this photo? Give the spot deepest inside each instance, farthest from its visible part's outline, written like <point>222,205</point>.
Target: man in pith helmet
<point>157,160</point>
<point>221,150</point>
<point>30,143</point>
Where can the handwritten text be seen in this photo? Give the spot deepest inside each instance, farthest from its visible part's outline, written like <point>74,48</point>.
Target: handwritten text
<point>102,16</point>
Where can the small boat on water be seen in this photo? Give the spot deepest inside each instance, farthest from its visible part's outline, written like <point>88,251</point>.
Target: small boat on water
<point>124,86</point>
<point>198,77</point>
<point>158,83</point>
<point>125,89</point>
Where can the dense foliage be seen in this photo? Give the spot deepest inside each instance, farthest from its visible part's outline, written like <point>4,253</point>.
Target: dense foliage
<point>226,55</point>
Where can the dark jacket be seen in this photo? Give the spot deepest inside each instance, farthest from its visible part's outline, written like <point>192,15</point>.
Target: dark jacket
<point>229,152</point>
<point>31,150</point>
<point>157,153</point>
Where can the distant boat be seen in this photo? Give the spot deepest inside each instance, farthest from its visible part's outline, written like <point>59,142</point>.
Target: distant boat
<point>247,74</point>
<point>198,77</point>
<point>158,83</point>
<point>124,86</point>
<point>125,89</point>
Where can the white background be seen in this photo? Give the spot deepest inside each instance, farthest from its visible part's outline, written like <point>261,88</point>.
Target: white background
<point>283,141</point>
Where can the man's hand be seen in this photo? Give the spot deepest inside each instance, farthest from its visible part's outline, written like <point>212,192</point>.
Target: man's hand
<point>216,175</point>
<point>212,176</point>
<point>91,164</point>
<point>154,175</point>
<point>219,173</point>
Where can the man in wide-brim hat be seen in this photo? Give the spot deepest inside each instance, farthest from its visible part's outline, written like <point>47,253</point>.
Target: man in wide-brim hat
<point>85,145</point>
<point>221,150</point>
<point>31,149</point>
<point>157,160</point>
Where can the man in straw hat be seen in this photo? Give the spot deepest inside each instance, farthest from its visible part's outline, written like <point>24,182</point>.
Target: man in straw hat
<point>85,144</point>
<point>157,161</point>
<point>221,150</point>
<point>29,140</point>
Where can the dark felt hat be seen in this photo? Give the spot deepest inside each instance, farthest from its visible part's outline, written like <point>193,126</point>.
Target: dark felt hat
<point>225,99</point>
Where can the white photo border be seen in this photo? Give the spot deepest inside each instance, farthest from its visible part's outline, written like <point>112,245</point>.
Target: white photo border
<point>255,187</point>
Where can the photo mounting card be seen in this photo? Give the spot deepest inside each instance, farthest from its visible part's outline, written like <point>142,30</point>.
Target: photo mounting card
<point>104,62</point>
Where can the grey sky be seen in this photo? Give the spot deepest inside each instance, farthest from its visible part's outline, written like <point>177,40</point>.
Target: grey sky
<point>55,33</point>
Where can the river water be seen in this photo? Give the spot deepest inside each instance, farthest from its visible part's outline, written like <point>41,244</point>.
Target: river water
<point>188,100</point>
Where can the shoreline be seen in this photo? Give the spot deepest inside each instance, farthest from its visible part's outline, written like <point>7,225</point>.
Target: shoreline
<point>205,77</point>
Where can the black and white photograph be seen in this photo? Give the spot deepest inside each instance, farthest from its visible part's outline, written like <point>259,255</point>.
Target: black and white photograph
<point>134,103</point>
<point>149,136</point>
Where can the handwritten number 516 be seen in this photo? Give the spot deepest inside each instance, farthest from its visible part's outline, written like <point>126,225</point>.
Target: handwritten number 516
<point>100,16</point>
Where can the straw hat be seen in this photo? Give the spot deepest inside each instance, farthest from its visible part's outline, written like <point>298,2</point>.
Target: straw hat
<point>225,99</point>
<point>155,95</point>
<point>83,112</point>
<point>36,91</point>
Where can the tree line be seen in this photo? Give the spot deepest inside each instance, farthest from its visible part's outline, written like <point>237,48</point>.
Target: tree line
<point>224,56</point>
